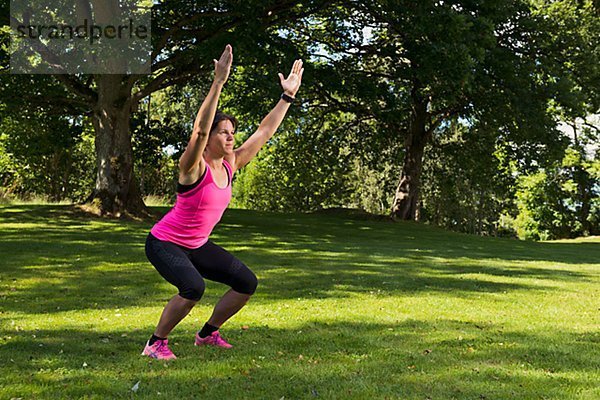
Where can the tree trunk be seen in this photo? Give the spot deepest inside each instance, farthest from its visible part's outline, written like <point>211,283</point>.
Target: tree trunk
<point>585,198</point>
<point>406,200</point>
<point>116,191</point>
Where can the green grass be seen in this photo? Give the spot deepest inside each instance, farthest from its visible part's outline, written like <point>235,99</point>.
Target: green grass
<point>346,309</point>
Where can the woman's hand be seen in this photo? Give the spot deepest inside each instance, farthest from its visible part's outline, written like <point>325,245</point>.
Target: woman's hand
<point>292,83</point>
<point>223,66</point>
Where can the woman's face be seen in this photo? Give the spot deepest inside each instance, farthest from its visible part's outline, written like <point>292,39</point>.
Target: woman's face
<point>221,139</point>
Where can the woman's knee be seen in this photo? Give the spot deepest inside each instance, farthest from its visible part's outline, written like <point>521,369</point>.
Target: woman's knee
<point>193,291</point>
<point>248,284</point>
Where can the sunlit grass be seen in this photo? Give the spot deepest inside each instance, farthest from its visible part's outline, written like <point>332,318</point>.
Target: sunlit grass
<point>35,200</point>
<point>157,201</point>
<point>345,308</point>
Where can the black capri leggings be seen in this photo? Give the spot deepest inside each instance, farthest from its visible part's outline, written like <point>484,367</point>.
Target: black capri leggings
<point>186,268</point>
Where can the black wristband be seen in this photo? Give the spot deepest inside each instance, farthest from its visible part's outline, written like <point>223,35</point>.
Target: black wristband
<point>287,98</point>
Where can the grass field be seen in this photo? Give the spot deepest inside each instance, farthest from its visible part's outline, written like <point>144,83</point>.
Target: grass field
<point>346,308</point>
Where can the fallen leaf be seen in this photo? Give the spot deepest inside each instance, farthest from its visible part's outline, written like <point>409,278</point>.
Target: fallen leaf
<point>245,327</point>
<point>136,386</point>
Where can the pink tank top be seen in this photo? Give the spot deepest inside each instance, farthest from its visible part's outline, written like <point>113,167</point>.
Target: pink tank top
<point>195,213</point>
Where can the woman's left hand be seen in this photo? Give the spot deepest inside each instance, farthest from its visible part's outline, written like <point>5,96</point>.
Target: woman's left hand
<point>291,84</point>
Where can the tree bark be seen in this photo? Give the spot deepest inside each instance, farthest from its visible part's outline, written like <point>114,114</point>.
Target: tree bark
<point>406,201</point>
<point>584,189</point>
<point>116,192</point>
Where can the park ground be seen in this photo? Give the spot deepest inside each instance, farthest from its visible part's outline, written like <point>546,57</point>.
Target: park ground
<point>347,308</point>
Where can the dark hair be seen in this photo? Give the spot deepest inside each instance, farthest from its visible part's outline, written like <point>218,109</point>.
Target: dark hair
<point>221,116</point>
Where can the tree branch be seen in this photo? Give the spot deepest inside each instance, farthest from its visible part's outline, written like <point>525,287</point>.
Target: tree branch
<point>172,76</point>
<point>591,126</point>
<point>444,116</point>
<point>349,106</point>
<point>179,26</point>
<point>169,78</point>
<point>73,84</point>
<point>76,87</point>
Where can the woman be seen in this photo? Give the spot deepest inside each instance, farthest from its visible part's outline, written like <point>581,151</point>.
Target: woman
<point>178,245</point>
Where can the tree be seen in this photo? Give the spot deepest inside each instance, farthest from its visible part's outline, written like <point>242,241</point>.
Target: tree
<point>185,38</point>
<point>48,141</point>
<point>46,155</point>
<point>414,66</point>
<point>303,169</point>
<point>468,179</point>
<point>572,57</point>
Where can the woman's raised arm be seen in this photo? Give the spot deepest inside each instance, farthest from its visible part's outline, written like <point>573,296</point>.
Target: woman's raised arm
<point>191,163</point>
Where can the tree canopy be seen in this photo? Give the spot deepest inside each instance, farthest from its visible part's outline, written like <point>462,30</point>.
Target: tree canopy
<point>442,111</point>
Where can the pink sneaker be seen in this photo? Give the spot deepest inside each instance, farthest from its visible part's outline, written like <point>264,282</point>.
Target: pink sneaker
<point>214,339</point>
<point>159,350</point>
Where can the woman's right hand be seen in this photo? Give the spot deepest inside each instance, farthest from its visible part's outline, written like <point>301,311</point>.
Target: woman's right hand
<point>223,65</point>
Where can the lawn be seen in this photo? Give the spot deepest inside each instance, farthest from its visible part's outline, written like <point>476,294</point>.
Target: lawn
<point>346,308</point>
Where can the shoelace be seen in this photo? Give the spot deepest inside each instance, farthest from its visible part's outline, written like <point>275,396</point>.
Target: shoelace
<point>162,348</point>
<point>219,340</point>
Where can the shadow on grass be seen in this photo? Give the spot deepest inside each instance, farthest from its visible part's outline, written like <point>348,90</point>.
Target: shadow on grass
<point>409,359</point>
<point>57,260</point>
<point>384,237</point>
